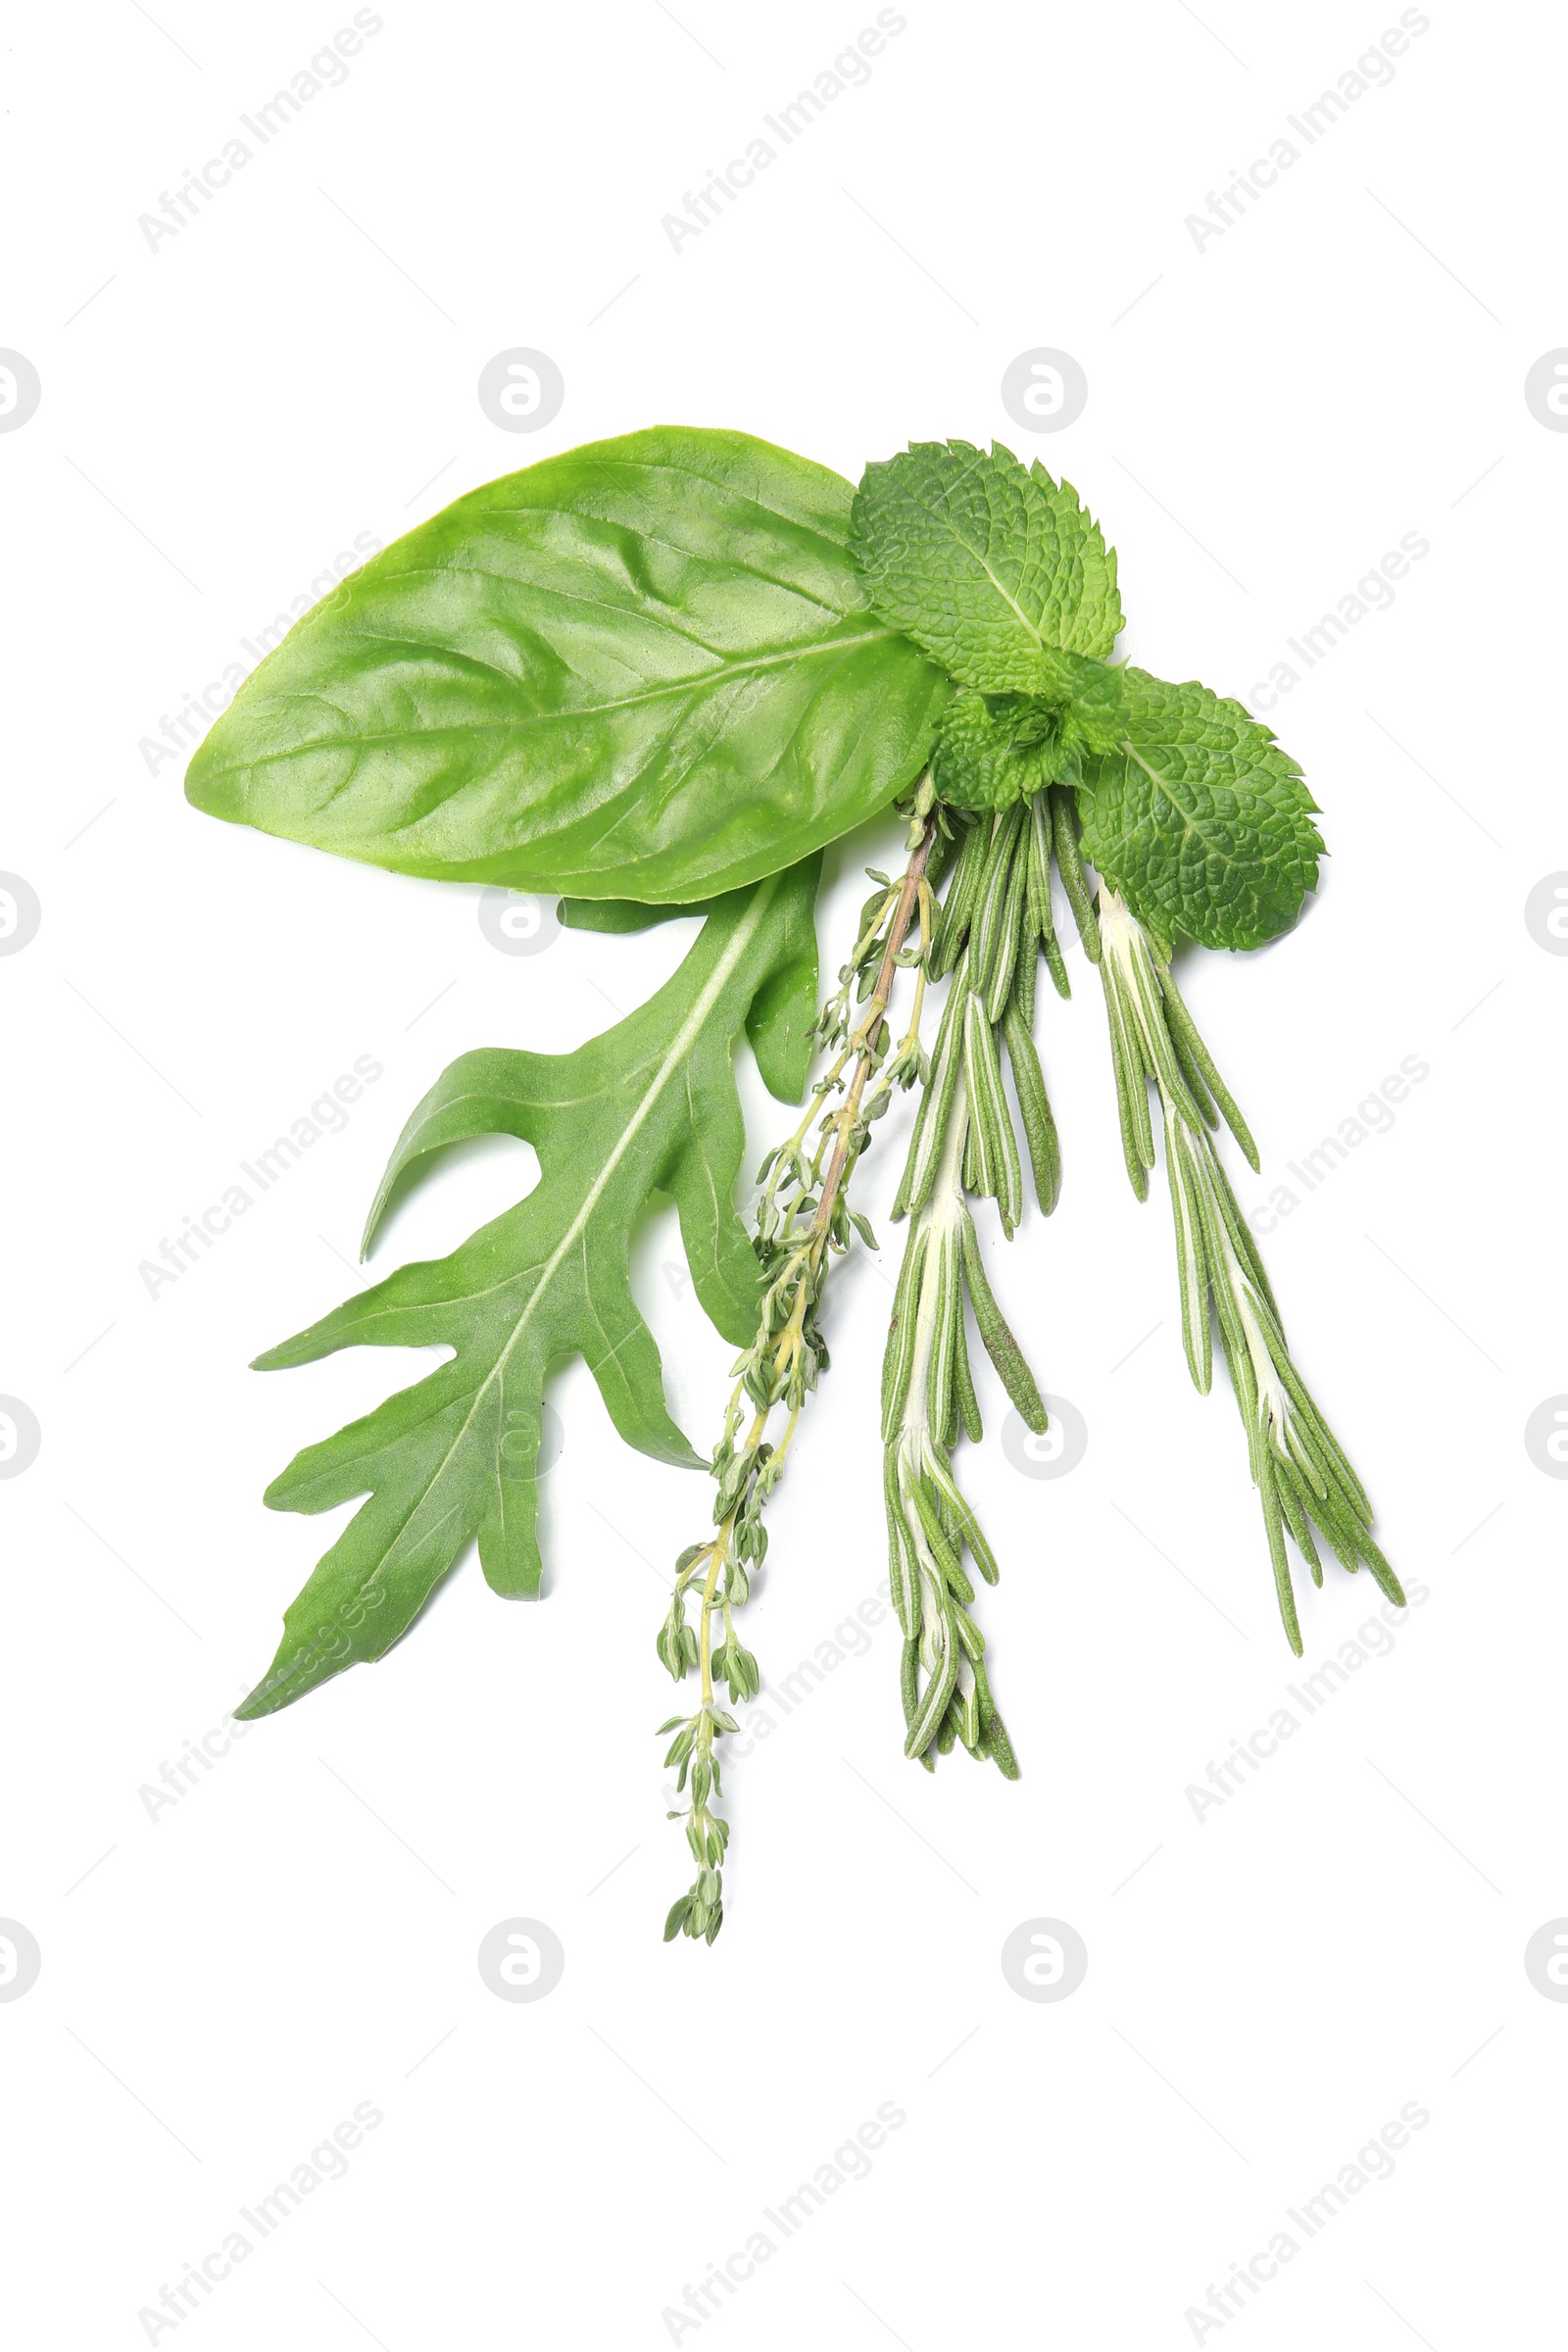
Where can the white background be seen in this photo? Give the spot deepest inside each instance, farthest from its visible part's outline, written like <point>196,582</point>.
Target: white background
<point>1267,1984</point>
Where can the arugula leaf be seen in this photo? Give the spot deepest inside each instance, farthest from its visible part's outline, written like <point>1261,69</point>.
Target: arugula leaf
<point>650,1105</point>
<point>643,667</point>
<point>1199,819</point>
<point>985,563</point>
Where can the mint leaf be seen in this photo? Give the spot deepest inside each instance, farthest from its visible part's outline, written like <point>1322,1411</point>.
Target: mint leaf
<point>648,1107</point>
<point>985,563</point>
<point>1199,819</point>
<point>1089,692</point>
<point>993,748</point>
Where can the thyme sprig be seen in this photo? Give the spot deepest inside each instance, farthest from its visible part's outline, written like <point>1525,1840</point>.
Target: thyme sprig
<point>802,1222</point>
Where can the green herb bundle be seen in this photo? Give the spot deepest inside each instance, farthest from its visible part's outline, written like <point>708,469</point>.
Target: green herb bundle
<point>660,674</point>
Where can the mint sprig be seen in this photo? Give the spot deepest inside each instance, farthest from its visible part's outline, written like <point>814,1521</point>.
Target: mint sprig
<point>992,749</point>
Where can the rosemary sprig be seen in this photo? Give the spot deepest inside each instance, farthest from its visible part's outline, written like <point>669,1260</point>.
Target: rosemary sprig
<point>804,1220</point>
<point>1301,1474</point>
<point>927,1394</point>
<point>995,926</point>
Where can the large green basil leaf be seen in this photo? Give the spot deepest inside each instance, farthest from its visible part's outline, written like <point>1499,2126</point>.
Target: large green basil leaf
<point>644,669</point>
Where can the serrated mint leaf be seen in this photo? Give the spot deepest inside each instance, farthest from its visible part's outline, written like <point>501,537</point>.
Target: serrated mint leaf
<point>977,760</point>
<point>1199,819</point>
<point>648,1107</point>
<point>993,748</point>
<point>985,563</point>
<point>1088,694</point>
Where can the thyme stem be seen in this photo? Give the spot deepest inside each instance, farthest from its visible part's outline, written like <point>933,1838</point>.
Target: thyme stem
<point>796,1240</point>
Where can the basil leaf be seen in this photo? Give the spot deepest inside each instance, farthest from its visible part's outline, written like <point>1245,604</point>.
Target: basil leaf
<point>643,668</point>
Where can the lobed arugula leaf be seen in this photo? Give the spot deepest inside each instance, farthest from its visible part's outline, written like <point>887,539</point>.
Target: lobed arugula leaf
<point>644,668</point>
<point>1199,819</point>
<point>648,1107</point>
<point>987,563</point>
